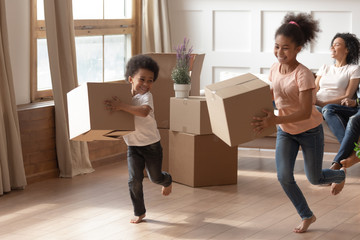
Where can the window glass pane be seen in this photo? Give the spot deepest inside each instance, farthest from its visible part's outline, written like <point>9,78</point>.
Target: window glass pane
<point>89,59</point>
<point>87,9</point>
<point>40,10</point>
<point>114,9</point>
<point>114,57</point>
<point>43,68</point>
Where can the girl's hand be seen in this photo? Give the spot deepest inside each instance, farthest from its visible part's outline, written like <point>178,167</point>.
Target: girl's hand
<point>113,104</point>
<point>348,102</point>
<point>260,123</point>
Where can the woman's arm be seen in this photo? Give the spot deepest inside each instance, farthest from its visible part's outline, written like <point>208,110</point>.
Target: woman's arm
<point>115,104</point>
<point>349,93</point>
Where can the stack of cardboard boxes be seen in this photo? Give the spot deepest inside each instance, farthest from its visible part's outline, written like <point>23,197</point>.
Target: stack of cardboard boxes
<point>197,156</point>
<point>163,90</point>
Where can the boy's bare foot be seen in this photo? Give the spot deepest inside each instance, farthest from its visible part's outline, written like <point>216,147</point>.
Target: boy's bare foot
<point>303,227</point>
<point>335,166</point>
<point>337,187</point>
<point>348,162</point>
<point>166,190</point>
<point>137,219</point>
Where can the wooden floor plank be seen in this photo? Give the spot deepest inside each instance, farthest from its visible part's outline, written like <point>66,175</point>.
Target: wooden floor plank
<point>97,206</point>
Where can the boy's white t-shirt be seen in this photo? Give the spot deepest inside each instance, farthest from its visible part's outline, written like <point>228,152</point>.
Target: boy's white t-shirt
<point>334,80</point>
<point>146,131</point>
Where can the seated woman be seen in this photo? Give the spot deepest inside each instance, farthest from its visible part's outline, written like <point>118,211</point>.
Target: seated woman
<point>337,85</point>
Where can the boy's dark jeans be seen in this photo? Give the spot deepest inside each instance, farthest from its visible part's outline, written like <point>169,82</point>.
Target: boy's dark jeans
<point>149,157</point>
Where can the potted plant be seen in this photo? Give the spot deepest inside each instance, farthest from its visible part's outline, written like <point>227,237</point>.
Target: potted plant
<point>181,74</point>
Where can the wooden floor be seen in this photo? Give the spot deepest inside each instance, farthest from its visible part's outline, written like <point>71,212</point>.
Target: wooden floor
<point>97,206</point>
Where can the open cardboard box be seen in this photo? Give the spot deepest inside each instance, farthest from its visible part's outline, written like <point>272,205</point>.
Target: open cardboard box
<point>233,103</point>
<point>88,118</point>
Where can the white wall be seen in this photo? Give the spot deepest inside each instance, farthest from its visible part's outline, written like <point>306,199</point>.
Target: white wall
<point>18,21</point>
<point>238,35</point>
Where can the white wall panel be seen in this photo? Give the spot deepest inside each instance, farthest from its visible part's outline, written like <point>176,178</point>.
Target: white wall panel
<point>223,73</point>
<point>331,22</point>
<point>189,24</point>
<point>237,36</point>
<point>236,40</point>
<point>271,20</point>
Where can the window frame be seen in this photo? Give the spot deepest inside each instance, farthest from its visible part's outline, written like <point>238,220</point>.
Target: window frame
<point>82,27</point>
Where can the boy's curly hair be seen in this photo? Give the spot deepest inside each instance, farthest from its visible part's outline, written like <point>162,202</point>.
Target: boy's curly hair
<point>302,28</point>
<point>352,44</point>
<point>141,62</point>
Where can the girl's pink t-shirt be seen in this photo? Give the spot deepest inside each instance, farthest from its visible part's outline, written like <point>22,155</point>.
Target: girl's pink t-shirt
<point>286,89</point>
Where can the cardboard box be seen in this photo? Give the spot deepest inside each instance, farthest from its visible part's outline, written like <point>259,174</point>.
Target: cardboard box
<point>233,103</point>
<point>190,115</point>
<point>193,164</point>
<point>88,118</point>
<point>163,88</point>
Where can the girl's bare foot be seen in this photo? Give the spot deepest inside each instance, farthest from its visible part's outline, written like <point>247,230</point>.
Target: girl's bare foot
<point>335,166</point>
<point>166,190</point>
<point>337,187</point>
<point>303,227</point>
<point>348,162</point>
<point>137,219</point>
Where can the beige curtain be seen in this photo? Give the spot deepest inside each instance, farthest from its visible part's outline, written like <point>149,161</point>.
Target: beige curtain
<point>156,26</point>
<point>12,173</point>
<point>73,157</point>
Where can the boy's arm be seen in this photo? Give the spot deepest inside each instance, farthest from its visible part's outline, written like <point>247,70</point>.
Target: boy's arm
<point>116,105</point>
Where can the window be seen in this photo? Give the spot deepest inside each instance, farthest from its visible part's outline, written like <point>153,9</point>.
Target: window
<point>107,34</point>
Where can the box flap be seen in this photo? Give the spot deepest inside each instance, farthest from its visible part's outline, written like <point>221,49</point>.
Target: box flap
<point>78,111</point>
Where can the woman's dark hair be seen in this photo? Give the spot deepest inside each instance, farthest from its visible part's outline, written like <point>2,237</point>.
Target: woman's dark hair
<point>141,62</point>
<point>352,44</point>
<point>301,28</point>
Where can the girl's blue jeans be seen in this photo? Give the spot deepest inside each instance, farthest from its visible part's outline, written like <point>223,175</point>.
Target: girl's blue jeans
<point>312,145</point>
<point>344,122</point>
<point>139,158</point>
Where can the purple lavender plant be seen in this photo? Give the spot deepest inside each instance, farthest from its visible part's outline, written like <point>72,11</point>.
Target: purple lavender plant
<point>180,73</point>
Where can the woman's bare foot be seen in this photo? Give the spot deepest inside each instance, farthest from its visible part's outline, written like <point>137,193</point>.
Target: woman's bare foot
<point>166,190</point>
<point>335,166</point>
<point>304,225</point>
<point>337,187</point>
<point>137,219</point>
<point>348,162</point>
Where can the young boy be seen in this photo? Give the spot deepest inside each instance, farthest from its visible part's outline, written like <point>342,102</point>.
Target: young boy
<point>144,149</point>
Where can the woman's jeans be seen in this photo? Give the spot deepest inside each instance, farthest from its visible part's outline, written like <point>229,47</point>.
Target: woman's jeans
<point>344,122</point>
<point>139,158</point>
<point>312,145</point>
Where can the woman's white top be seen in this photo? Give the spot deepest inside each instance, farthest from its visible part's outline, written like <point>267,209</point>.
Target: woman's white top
<point>335,80</point>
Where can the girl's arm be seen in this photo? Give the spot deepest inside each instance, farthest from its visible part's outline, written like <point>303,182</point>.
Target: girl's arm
<point>305,99</point>
<point>349,93</point>
<point>116,105</point>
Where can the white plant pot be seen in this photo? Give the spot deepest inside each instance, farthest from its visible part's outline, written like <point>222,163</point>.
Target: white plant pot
<point>182,90</point>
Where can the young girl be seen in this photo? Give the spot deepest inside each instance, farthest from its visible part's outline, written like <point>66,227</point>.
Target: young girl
<point>293,89</point>
<point>144,149</point>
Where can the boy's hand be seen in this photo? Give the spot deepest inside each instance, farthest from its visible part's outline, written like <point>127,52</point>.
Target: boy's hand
<point>113,104</point>
<point>260,123</point>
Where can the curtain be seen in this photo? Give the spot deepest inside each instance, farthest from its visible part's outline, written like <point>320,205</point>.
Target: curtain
<point>12,172</point>
<point>156,26</point>
<point>73,157</point>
